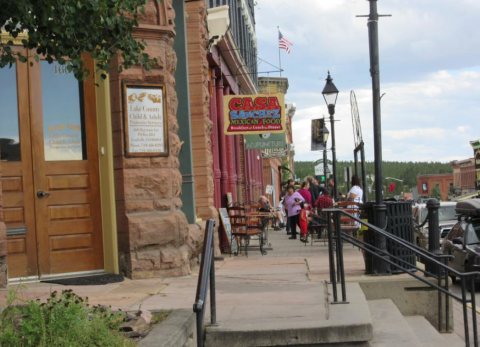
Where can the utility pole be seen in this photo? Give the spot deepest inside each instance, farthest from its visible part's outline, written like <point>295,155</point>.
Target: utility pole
<point>380,267</point>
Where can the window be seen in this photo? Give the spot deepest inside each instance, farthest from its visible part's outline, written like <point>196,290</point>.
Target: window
<point>9,129</point>
<point>63,114</point>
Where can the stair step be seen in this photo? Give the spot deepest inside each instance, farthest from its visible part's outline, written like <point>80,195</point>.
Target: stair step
<point>453,340</point>
<point>390,329</point>
<point>315,323</point>
<point>426,334</point>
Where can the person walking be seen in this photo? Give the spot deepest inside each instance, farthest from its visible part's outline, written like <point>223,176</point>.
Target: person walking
<point>292,205</point>
<point>305,193</point>
<point>314,188</point>
<point>290,182</point>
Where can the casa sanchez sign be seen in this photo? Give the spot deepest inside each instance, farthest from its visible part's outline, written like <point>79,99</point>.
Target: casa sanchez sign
<point>254,114</point>
<point>145,119</point>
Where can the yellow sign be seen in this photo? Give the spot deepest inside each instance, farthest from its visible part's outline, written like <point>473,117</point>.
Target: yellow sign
<point>254,114</point>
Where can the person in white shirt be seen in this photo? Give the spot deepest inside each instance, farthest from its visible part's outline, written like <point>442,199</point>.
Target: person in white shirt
<point>355,194</point>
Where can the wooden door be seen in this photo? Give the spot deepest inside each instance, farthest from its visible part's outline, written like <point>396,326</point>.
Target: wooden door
<point>61,193</point>
<point>17,172</point>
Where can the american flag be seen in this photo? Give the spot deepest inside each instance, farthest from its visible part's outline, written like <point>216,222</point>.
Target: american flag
<point>284,43</point>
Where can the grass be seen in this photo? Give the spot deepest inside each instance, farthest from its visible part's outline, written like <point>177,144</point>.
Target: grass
<point>64,320</point>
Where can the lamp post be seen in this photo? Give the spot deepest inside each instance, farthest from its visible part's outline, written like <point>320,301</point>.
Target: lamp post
<point>399,180</point>
<point>330,94</point>
<point>326,133</point>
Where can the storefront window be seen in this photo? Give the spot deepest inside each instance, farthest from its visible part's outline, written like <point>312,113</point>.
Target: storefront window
<point>9,130</point>
<point>63,114</point>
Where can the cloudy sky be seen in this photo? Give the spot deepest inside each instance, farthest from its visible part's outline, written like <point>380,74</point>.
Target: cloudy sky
<point>429,70</point>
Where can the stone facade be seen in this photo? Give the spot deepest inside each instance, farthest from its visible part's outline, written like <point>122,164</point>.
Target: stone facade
<point>153,234</point>
<point>201,125</point>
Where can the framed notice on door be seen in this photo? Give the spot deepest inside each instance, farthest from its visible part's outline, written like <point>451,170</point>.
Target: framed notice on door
<point>145,119</point>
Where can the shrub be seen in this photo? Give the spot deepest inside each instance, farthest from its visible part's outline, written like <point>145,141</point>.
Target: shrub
<point>64,320</point>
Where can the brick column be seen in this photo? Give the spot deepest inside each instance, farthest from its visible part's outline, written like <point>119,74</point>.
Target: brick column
<point>155,239</point>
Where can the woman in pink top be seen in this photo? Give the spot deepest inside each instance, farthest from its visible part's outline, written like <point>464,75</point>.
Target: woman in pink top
<point>292,204</point>
<point>305,193</point>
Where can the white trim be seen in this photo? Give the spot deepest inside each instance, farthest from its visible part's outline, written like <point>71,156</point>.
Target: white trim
<point>72,274</point>
<point>17,280</point>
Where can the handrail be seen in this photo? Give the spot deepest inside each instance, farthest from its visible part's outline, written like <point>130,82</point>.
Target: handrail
<point>207,271</point>
<point>443,269</point>
<point>427,255</point>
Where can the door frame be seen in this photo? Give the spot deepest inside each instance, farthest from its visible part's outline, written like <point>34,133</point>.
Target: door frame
<point>106,168</point>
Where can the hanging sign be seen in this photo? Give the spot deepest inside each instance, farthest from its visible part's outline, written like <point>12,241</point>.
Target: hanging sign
<point>145,119</point>
<point>264,141</point>
<point>254,114</point>
<point>269,189</point>
<point>318,127</point>
<point>275,152</point>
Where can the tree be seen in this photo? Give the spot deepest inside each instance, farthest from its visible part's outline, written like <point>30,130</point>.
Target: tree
<point>64,30</point>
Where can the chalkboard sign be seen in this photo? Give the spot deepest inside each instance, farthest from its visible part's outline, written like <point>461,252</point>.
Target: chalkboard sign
<point>227,227</point>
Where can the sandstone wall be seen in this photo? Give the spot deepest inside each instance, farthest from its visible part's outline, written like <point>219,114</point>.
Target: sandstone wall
<point>197,40</point>
<point>154,236</point>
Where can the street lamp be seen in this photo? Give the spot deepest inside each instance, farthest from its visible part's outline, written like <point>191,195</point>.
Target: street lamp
<point>330,94</point>
<point>399,180</point>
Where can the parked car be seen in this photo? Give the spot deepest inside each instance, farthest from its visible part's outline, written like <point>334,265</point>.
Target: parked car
<point>447,218</point>
<point>463,240</point>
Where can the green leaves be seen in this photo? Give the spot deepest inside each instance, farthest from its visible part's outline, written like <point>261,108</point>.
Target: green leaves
<point>63,30</point>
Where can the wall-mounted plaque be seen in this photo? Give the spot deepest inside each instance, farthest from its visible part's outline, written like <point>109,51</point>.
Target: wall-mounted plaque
<point>145,119</point>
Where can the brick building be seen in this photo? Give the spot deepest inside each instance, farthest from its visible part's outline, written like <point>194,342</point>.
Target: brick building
<point>92,205</point>
<point>425,183</point>
<point>464,176</point>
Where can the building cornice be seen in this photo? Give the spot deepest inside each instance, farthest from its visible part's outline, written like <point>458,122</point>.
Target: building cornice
<point>280,82</point>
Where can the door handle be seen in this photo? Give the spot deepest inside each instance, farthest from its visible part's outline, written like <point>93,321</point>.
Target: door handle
<point>41,194</point>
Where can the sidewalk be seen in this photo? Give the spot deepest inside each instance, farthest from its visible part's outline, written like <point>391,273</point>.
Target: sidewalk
<point>248,289</point>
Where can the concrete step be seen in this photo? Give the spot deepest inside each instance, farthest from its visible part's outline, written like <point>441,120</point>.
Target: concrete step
<point>453,340</point>
<point>283,320</point>
<point>390,329</point>
<point>428,336</point>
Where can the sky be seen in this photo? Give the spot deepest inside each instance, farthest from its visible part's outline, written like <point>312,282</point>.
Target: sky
<point>429,72</point>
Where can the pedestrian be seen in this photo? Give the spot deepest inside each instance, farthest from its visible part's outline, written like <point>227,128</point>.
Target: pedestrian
<point>314,188</point>
<point>292,205</point>
<point>303,223</point>
<point>267,207</point>
<point>330,184</point>
<point>290,181</point>
<point>355,194</point>
<point>305,193</point>
<point>324,201</point>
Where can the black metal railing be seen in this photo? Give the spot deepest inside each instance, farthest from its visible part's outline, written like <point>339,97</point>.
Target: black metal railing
<point>207,272</point>
<point>438,262</point>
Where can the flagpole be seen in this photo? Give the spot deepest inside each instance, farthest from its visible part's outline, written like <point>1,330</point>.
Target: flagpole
<point>279,56</point>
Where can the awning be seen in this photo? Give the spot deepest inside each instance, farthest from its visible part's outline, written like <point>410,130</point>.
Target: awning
<point>467,196</point>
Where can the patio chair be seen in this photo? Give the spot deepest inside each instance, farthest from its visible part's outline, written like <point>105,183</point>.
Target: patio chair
<point>243,229</point>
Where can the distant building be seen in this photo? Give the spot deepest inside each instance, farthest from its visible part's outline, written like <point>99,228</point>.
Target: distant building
<point>425,183</point>
<point>463,176</point>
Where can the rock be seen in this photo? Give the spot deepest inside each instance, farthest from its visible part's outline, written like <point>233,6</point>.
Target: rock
<point>147,315</point>
<point>137,324</point>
